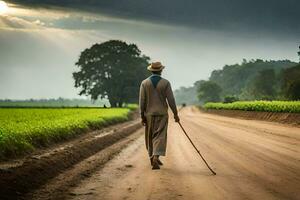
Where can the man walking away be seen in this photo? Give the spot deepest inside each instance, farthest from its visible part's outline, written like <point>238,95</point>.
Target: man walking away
<point>155,96</point>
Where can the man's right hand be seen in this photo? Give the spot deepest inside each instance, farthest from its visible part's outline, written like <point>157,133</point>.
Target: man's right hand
<point>176,117</point>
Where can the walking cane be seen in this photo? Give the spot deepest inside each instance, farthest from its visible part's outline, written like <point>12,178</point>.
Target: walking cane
<point>212,171</point>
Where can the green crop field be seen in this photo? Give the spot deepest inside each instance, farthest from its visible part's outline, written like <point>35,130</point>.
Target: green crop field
<point>266,106</point>
<point>23,129</point>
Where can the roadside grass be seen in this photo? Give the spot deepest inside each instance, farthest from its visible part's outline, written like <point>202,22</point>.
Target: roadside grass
<point>23,130</point>
<point>263,106</point>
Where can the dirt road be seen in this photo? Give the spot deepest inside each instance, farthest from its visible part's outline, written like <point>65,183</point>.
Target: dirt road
<point>253,160</point>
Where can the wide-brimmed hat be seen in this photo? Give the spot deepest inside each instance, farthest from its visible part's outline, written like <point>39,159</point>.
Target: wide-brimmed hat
<point>155,66</point>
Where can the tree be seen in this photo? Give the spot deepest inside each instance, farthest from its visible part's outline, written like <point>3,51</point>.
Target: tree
<point>294,91</point>
<point>113,70</point>
<point>209,91</point>
<point>187,95</point>
<point>291,83</point>
<point>299,54</point>
<point>264,85</point>
<point>234,79</point>
<point>230,99</point>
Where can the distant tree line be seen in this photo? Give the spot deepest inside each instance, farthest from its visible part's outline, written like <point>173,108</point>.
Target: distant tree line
<point>59,102</point>
<point>250,80</point>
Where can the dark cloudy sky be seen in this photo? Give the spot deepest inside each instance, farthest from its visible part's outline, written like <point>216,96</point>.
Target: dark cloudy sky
<point>41,40</point>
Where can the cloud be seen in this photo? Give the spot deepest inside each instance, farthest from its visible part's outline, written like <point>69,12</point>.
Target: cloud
<point>9,22</point>
<point>33,18</point>
<point>39,22</point>
<point>275,16</point>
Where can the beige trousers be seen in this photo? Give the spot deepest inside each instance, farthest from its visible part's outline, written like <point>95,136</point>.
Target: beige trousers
<point>156,134</point>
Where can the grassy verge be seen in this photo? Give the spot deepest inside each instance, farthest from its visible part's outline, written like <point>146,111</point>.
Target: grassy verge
<point>22,130</point>
<point>265,106</point>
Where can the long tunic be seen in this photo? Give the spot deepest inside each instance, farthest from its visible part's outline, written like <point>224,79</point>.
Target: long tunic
<point>155,96</point>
